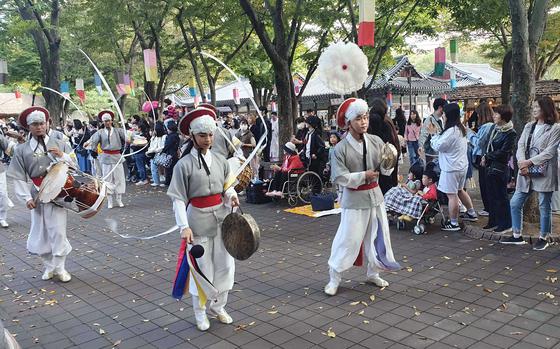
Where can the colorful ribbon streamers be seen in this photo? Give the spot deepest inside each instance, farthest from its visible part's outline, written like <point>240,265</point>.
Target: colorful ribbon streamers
<point>366,26</point>
<point>150,64</point>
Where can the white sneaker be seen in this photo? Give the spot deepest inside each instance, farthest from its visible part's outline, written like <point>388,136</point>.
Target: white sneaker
<point>331,288</point>
<point>223,316</point>
<point>203,324</point>
<point>47,275</point>
<point>4,224</point>
<point>483,213</point>
<point>109,202</point>
<point>378,281</point>
<point>162,185</point>
<point>64,276</point>
<point>154,185</point>
<point>120,203</point>
<point>141,183</point>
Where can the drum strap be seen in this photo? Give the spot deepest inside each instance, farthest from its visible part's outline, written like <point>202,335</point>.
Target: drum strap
<point>366,186</point>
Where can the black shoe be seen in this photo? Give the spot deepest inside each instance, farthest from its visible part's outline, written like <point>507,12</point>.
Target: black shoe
<point>489,227</point>
<point>500,230</point>
<point>540,245</point>
<point>513,241</point>
<point>469,217</point>
<point>448,226</point>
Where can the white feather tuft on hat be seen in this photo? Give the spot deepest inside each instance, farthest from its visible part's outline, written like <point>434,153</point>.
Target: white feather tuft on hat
<point>203,124</point>
<point>36,116</point>
<point>106,117</point>
<point>343,67</point>
<point>356,108</point>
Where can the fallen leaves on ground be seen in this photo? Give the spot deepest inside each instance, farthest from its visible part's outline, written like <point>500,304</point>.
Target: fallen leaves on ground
<point>330,333</point>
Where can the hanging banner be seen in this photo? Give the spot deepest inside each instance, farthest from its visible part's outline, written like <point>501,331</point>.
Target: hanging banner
<point>119,77</point>
<point>453,79</point>
<point>3,72</point>
<point>236,98</point>
<point>453,50</point>
<point>98,85</point>
<point>439,68</point>
<point>366,26</point>
<point>192,88</point>
<point>389,99</point>
<point>65,88</point>
<point>298,83</point>
<point>126,83</point>
<point>273,107</point>
<point>80,90</point>
<point>150,64</point>
<point>196,101</point>
<point>132,86</point>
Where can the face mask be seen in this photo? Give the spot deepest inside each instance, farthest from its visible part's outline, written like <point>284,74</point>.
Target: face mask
<point>300,126</point>
<point>243,127</point>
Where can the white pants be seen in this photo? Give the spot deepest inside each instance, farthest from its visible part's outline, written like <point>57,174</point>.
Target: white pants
<point>218,266</point>
<point>48,231</point>
<point>370,227</point>
<point>4,200</point>
<point>117,177</point>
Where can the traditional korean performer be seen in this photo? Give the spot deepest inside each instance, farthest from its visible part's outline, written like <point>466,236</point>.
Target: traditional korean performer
<point>6,148</point>
<point>223,141</point>
<point>47,236</point>
<point>112,142</point>
<point>199,203</point>
<point>363,222</point>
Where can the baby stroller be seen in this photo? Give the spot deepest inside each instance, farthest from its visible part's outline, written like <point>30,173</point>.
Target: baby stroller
<point>428,216</point>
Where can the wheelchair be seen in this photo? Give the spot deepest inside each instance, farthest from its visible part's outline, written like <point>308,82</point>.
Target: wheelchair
<point>299,186</point>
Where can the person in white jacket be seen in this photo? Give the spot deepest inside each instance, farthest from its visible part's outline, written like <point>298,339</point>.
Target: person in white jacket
<point>157,144</point>
<point>451,144</point>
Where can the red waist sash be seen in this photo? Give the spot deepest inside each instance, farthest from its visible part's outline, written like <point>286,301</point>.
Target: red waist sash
<point>206,201</point>
<point>112,152</point>
<point>367,186</point>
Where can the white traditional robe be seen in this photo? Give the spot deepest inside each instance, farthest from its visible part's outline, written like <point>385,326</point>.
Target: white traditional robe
<point>363,218</point>
<point>111,140</point>
<point>190,180</point>
<point>47,234</point>
<point>6,147</point>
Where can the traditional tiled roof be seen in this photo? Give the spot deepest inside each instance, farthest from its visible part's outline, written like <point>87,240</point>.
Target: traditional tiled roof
<point>543,88</point>
<point>12,106</point>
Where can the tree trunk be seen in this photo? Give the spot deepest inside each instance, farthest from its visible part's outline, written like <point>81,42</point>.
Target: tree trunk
<point>287,103</point>
<point>524,43</point>
<point>506,78</point>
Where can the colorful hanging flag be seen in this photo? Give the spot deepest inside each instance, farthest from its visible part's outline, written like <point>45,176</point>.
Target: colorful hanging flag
<point>298,83</point>
<point>236,98</point>
<point>453,78</point>
<point>126,83</point>
<point>453,50</point>
<point>3,72</point>
<point>65,88</point>
<point>132,86</point>
<point>80,90</point>
<point>439,69</point>
<point>366,26</point>
<point>192,87</point>
<point>119,77</point>
<point>196,101</point>
<point>98,85</point>
<point>389,99</point>
<point>150,64</point>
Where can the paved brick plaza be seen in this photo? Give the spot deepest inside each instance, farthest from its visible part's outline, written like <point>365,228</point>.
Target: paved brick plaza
<point>453,292</point>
